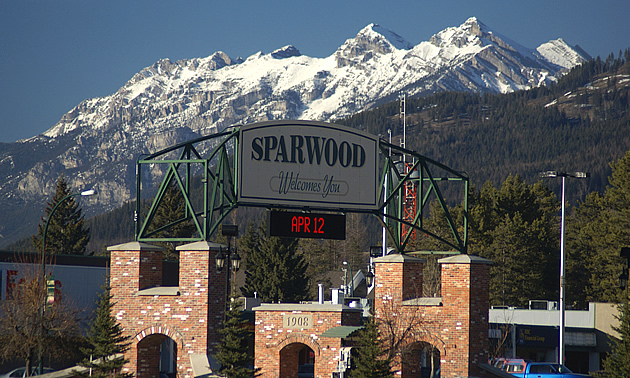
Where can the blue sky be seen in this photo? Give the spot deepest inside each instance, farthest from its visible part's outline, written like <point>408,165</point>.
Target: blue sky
<point>56,53</point>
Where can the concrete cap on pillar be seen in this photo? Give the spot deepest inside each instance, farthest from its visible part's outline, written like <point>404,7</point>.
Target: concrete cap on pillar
<point>201,246</point>
<point>135,246</point>
<point>464,259</point>
<point>398,258</point>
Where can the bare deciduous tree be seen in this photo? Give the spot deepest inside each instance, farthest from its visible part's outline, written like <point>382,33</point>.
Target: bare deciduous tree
<point>405,333</point>
<point>30,327</point>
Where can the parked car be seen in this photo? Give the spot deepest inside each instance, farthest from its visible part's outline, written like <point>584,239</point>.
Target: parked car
<point>497,363</point>
<point>509,364</point>
<point>21,372</point>
<point>514,365</point>
<point>546,370</point>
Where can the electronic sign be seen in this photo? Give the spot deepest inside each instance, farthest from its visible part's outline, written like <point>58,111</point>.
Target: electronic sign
<point>306,225</point>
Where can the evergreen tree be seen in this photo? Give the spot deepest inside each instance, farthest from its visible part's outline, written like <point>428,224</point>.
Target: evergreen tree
<point>66,233</point>
<point>105,340</point>
<point>516,226</point>
<point>596,233</point>
<point>232,354</point>
<point>273,268</point>
<point>170,215</point>
<point>372,360</point>
<point>617,364</point>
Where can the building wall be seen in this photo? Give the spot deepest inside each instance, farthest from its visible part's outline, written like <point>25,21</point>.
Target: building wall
<point>274,342</point>
<point>79,284</point>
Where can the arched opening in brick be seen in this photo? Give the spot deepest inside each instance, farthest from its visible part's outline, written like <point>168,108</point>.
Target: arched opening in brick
<point>420,360</point>
<point>297,358</point>
<point>157,356</point>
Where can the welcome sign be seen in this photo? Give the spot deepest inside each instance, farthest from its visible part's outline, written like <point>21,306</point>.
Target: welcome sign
<point>307,164</point>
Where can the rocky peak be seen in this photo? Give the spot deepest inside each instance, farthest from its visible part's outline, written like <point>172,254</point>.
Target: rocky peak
<point>219,60</point>
<point>470,32</point>
<point>560,53</point>
<point>373,39</point>
<point>286,52</point>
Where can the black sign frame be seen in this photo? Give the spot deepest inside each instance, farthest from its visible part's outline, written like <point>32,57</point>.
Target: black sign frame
<point>286,224</point>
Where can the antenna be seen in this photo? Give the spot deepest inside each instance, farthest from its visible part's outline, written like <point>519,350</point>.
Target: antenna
<point>403,115</point>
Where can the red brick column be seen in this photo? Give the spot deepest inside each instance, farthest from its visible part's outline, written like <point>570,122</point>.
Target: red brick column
<point>456,323</point>
<point>133,266</point>
<point>398,277</point>
<point>465,288</point>
<point>205,289</point>
<point>191,314</point>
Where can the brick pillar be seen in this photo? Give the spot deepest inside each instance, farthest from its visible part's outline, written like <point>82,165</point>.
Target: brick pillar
<point>199,279</point>
<point>465,298</point>
<point>134,266</point>
<point>398,276</point>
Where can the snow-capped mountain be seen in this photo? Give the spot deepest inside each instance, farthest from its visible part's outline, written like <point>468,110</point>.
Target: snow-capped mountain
<point>97,141</point>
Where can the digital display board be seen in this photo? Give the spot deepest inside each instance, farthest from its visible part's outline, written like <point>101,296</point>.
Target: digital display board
<point>306,225</point>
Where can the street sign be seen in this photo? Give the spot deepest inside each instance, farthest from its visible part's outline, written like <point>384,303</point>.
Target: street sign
<point>308,164</point>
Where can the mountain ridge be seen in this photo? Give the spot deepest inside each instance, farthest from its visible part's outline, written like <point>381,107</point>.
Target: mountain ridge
<point>168,102</point>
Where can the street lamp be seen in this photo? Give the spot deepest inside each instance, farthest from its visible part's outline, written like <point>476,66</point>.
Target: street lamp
<point>90,192</point>
<point>624,276</point>
<point>564,175</point>
<point>230,257</point>
<point>350,290</point>
<point>233,258</point>
<point>369,278</point>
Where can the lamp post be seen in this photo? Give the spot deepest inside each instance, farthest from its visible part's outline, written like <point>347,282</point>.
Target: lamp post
<point>350,290</point>
<point>90,192</point>
<point>231,257</point>
<point>564,175</point>
<point>369,278</point>
<point>625,275</point>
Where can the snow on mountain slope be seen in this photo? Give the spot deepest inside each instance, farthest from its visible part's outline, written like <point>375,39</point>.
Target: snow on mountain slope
<point>375,64</point>
<point>167,102</point>
<point>560,53</point>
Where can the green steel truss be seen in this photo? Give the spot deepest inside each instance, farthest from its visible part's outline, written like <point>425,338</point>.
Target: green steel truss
<point>406,172</point>
<point>409,183</point>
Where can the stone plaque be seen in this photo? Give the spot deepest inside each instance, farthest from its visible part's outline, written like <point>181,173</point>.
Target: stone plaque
<point>297,321</point>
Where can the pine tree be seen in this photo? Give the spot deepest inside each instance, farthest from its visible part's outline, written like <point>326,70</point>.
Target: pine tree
<point>106,339</point>
<point>273,268</point>
<point>617,364</point>
<point>171,212</point>
<point>516,226</point>
<point>597,232</point>
<point>371,360</point>
<point>66,233</point>
<point>232,354</point>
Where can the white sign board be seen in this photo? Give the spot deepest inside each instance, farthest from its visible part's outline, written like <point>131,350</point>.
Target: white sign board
<point>307,164</point>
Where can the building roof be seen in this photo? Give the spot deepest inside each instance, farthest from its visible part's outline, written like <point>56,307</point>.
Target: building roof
<point>313,307</point>
<point>340,332</point>
<point>72,260</point>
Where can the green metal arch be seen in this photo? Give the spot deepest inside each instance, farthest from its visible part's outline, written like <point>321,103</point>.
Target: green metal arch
<point>213,158</point>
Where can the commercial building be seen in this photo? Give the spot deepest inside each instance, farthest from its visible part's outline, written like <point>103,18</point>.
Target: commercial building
<point>533,333</point>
